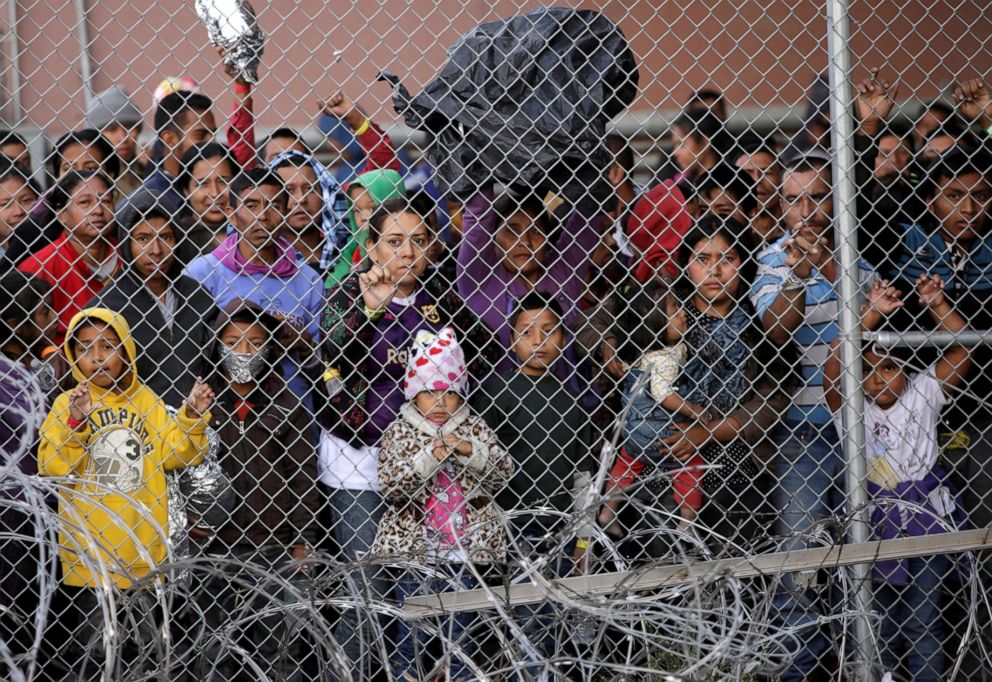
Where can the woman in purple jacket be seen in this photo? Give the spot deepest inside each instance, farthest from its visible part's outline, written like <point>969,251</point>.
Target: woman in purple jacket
<point>368,326</point>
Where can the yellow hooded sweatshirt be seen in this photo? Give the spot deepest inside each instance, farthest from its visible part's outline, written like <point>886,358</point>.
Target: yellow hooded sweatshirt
<point>114,519</point>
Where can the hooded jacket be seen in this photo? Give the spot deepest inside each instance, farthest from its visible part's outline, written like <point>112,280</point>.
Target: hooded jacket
<point>170,357</point>
<point>266,450</point>
<point>115,516</point>
<point>382,185</point>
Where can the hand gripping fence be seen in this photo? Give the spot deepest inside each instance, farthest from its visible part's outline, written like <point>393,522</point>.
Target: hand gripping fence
<point>429,341</point>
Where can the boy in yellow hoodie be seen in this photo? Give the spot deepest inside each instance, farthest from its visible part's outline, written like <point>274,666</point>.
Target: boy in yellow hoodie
<point>114,436</point>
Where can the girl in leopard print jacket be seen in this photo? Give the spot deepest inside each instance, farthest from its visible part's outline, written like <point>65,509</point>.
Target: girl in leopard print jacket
<point>440,467</point>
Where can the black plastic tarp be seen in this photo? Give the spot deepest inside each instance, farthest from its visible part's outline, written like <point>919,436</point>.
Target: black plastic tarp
<point>524,102</point>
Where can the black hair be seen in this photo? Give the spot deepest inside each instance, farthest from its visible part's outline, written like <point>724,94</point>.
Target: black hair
<point>285,133</point>
<point>704,124</point>
<point>734,233</point>
<point>21,294</point>
<point>899,131</point>
<point>730,179</point>
<point>388,208</point>
<point>642,321</point>
<point>91,321</point>
<point>705,94</point>
<point>203,152</point>
<point>62,191</point>
<point>87,137</point>
<point>621,152</point>
<point>946,110</point>
<point>951,127</point>
<point>955,162</point>
<point>424,204</point>
<point>294,160</point>
<point>144,205</point>
<point>251,179</point>
<point>753,143</point>
<point>531,205</point>
<point>535,300</point>
<point>11,137</point>
<point>170,114</point>
<point>10,170</point>
<point>246,312</point>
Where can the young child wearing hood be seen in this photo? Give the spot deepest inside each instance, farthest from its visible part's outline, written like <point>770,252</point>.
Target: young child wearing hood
<point>440,467</point>
<point>113,439</point>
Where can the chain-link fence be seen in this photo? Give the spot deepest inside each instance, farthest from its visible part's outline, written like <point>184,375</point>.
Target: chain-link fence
<point>495,341</point>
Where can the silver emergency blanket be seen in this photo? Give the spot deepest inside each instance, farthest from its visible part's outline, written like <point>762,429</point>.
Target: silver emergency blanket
<point>203,492</point>
<point>231,25</point>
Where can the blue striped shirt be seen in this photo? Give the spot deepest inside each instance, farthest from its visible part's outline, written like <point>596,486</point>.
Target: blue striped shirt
<point>814,334</point>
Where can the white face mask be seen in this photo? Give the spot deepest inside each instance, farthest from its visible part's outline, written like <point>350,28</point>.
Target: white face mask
<point>243,368</point>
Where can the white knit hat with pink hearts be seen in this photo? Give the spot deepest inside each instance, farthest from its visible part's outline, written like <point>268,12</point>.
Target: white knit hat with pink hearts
<point>436,364</point>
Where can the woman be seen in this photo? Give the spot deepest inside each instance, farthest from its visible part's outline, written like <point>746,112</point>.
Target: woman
<point>80,262</point>
<point>81,151</point>
<point>170,315</point>
<point>731,367</point>
<point>207,170</point>
<point>370,322</point>
<point>699,143</point>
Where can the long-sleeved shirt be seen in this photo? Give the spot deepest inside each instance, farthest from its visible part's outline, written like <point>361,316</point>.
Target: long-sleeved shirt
<point>492,292</point>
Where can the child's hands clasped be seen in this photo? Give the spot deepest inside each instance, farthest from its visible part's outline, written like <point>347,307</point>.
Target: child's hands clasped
<point>931,291</point>
<point>442,447</point>
<point>462,447</point>
<point>201,397</point>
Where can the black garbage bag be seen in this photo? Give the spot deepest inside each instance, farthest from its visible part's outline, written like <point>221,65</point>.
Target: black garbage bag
<point>524,102</point>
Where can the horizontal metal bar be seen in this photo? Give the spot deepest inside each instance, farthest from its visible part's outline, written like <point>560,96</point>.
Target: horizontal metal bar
<point>677,575</point>
<point>927,339</point>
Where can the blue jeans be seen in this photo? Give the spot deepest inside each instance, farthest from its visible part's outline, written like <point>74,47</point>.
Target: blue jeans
<point>356,515</point>
<point>810,471</point>
<point>911,618</point>
<point>410,652</point>
<point>538,621</point>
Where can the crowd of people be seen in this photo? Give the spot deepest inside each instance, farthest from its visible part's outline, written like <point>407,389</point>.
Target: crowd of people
<point>389,373</point>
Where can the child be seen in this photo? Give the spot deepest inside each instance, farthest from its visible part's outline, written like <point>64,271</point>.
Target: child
<point>537,416</point>
<point>440,467</point>
<point>27,320</point>
<point>653,325</point>
<point>910,491</point>
<point>113,440</point>
<point>548,434</point>
<point>265,448</point>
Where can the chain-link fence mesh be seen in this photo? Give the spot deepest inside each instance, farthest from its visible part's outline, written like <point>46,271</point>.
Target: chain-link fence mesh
<point>495,341</point>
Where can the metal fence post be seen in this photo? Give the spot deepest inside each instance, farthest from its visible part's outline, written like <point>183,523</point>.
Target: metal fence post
<point>844,196</point>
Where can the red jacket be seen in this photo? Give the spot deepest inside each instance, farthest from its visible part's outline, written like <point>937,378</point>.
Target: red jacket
<point>656,227</point>
<point>73,283</point>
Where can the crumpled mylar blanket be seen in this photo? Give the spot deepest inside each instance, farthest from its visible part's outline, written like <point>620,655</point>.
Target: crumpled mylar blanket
<point>231,24</point>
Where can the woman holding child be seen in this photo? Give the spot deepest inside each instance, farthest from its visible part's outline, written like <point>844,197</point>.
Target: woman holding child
<point>728,369</point>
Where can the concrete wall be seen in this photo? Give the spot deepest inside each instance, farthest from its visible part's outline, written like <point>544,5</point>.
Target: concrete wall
<point>762,52</point>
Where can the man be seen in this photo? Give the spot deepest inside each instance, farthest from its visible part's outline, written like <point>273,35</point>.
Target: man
<point>796,298</point>
<point>257,265</point>
<point>114,114</point>
<point>895,151</point>
<point>182,119</point>
<point>283,140</point>
<point>759,159</point>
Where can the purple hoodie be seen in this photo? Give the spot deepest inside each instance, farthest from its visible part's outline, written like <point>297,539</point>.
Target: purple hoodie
<point>491,292</point>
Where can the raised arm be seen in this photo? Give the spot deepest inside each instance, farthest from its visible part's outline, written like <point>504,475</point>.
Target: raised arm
<point>477,251</point>
<point>882,300</point>
<point>953,366</point>
<point>241,127</point>
<point>379,149</point>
